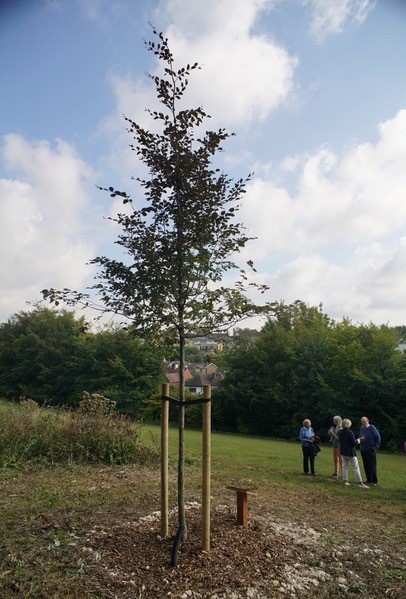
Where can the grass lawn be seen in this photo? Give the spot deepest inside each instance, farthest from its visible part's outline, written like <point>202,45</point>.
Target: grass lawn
<point>47,515</point>
<point>238,459</point>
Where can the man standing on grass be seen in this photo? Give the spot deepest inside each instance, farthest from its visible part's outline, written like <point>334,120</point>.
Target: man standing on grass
<point>370,441</point>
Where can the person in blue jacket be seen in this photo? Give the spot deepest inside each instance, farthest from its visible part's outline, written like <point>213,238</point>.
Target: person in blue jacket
<point>370,441</point>
<point>307,437</point>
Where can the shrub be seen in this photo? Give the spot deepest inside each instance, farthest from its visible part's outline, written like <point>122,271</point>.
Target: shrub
<point>96,405</point>
<point>94,433</point>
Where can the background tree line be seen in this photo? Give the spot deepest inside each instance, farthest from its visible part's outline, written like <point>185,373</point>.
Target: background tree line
<point>52,357</point>
<point>306,365</point>
<point>301,364</point>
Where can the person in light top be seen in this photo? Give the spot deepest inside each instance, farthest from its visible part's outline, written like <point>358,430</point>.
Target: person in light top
<point>348,453</point>
<point>306,437</point>
<point>370,441</point>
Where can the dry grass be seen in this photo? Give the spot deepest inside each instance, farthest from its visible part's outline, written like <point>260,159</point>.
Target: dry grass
<point>92,434</point>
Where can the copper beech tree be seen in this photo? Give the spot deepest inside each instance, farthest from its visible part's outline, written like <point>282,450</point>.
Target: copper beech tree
<point>179,237</point>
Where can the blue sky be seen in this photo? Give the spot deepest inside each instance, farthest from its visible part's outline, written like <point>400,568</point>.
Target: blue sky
<point>314,89</point>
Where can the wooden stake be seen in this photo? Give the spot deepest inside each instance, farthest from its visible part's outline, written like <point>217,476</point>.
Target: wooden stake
<point>164,462</point>
<point>242,508</point>
<point>206,462</point>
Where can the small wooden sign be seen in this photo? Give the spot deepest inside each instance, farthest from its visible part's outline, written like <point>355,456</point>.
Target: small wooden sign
<point>242,504</point>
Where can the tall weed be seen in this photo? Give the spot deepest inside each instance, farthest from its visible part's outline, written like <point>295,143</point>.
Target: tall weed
<point>94,433</point>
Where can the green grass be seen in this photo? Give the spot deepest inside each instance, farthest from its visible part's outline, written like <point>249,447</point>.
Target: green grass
<point>239,459</point>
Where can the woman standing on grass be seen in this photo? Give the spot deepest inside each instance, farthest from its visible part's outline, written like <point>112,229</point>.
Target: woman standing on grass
<point>306,437</point>
<point>348,453</point>
<point>335,443</point>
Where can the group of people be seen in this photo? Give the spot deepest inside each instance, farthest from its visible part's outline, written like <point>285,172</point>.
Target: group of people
<point>344,445</point>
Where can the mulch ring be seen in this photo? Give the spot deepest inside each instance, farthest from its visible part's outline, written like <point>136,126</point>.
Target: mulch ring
<point>132,560</point>
<point>260,561</point>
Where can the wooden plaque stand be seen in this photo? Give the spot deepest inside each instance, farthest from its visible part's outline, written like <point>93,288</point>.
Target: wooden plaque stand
<point>242,504</point>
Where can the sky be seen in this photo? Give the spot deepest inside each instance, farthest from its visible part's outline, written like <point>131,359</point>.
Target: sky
<point>315,91</point>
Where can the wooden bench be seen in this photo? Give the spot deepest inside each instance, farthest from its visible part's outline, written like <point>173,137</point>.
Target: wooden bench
<point>242,504</point>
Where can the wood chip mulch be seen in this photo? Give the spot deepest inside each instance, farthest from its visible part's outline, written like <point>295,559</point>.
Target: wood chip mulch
<point>132,560</point>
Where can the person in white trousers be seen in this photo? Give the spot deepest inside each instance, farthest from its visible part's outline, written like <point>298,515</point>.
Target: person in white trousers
<point>348,453</point>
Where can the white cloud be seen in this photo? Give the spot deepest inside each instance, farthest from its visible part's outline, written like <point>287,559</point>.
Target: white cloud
<point>132,97</point>
<point>369,287</point>
<point>358,196</point>
<point>101,11</point>
<point>244,75</point>
<point>195,19</point>
<point>311,272</point>
<point>44,235</point>
<point>384,282</point>
<point>340,235</point>
<point>332,16</point>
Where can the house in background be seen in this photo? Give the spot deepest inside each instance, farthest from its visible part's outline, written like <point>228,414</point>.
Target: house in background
<point>200,368</point>
<point>172,374</point>
<point>196,376</point>
<point>206,344</point>
<point>195,385</point>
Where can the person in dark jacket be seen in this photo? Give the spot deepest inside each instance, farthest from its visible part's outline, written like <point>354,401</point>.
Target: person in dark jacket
<point>348,453</point>
<point>370,441</point>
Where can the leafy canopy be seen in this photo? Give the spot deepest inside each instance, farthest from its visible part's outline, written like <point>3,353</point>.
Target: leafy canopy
<point>181,241</point>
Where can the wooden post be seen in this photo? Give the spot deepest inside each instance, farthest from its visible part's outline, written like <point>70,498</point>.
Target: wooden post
<point>206,463</point>
<point>242,504</point>
<point>164,461</point>
<point>242,508</point>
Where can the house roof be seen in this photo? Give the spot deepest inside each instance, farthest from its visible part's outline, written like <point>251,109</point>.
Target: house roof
<point>173,377</point>
<point>203,379</point>
<point>204,341</point>
<point>199,381</point>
